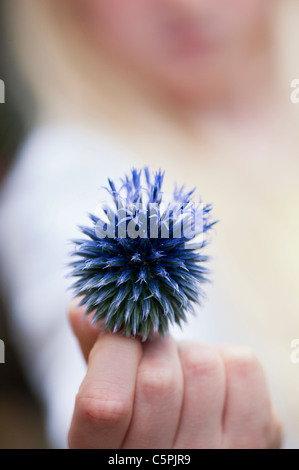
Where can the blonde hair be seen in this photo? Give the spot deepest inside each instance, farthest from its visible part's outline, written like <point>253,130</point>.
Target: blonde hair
<point>59,91</point>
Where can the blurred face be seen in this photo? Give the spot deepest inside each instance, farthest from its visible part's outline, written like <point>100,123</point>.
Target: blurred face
<point>188,47</point>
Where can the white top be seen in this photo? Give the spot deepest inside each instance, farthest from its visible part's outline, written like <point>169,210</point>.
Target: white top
<point>56,180</point>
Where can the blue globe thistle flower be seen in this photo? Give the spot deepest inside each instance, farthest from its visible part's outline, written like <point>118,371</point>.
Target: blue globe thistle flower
<point>141,266</point>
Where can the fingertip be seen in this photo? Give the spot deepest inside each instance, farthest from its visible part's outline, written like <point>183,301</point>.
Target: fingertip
<point>75,310</point>
<point>85,331</point>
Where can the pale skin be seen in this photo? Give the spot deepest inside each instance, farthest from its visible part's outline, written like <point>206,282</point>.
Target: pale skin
<point>202,54</point>
<point>164,394</point>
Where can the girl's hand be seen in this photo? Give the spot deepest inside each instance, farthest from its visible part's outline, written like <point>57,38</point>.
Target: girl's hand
<point>164,394</point>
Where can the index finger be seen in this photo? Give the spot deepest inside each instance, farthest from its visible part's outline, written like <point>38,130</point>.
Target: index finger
<point>104,404</point>
<point>86,332</point>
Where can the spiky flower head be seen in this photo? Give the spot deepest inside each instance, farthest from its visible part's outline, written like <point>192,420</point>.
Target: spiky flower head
<point>141,266</point>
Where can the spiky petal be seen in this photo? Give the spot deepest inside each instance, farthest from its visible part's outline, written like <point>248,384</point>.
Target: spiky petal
<point>140,267</point>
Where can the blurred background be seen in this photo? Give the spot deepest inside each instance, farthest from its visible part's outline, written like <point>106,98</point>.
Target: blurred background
<point>199,88</point>
<point>21,413</point>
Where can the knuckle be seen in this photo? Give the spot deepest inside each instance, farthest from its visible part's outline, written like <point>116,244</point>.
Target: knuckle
<point>255,434</point>
<point>268,436</point>
<point>258,435</point>
<point>95,410</point>
<point>156,381</point>
<point>241,361</point>
<point>257,438</point>
<point>245,441</point>
<point>201,360</point>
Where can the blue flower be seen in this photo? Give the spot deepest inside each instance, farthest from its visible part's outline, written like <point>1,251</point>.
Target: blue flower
<point>141,267</point>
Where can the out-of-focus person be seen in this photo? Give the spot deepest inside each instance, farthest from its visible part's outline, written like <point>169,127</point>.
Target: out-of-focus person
<point>197,87</point>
